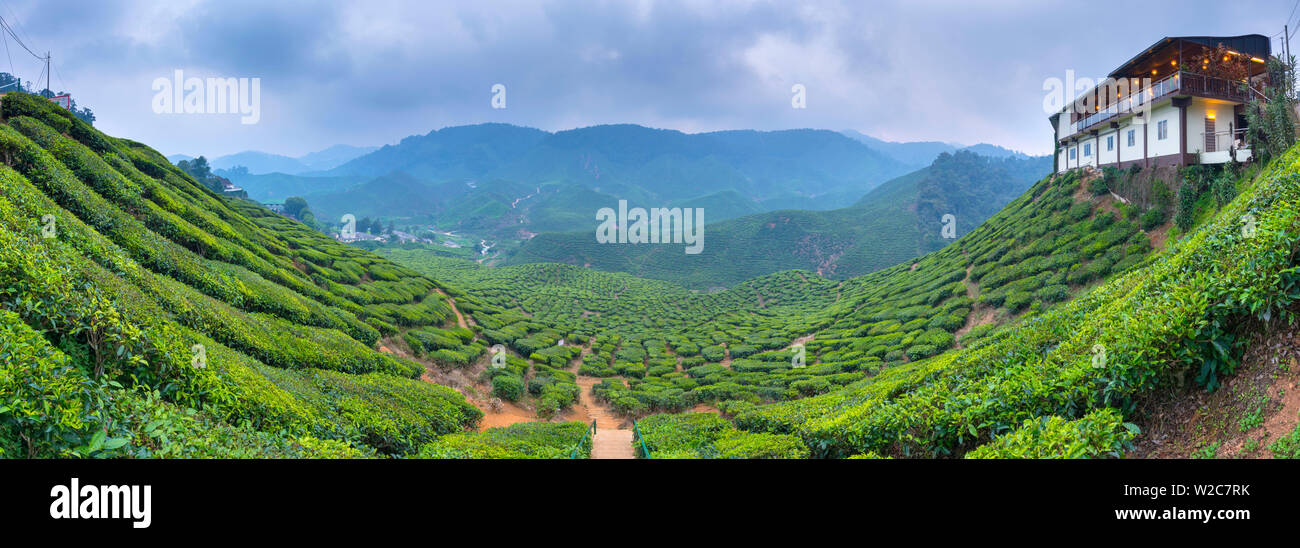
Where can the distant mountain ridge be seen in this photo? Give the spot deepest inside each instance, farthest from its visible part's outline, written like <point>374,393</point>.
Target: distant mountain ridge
<point>921,153</point>
<point>895,222</point>
<point>635,162</point>
<point>260,163</point>
<point>509,182</point>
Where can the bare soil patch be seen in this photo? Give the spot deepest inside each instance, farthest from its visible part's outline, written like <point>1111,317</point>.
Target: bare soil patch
<point>1253,408</point>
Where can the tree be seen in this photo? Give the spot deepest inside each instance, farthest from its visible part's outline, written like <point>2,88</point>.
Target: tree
<point>294,205</point>
<point>197,168</point>
<point>1272,123</point>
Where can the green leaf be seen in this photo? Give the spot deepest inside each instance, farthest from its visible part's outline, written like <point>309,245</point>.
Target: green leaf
<point>97,441</point>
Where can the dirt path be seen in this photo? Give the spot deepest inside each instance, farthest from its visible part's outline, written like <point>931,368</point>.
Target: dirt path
<point>980,314</point>
<point>800,341</point>
<point>460,318</point>
<point>612,440</point>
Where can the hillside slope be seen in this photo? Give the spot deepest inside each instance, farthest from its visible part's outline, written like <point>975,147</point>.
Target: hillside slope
<point>145,316</point>
<point>1064,383</point>
<point>897,221</point>
<point>637,163</point>
<point>1038,334</point>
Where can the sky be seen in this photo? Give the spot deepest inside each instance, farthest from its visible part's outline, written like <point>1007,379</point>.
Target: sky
<point>371,72</point>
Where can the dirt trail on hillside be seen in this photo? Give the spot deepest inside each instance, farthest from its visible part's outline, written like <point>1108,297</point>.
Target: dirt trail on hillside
<point>980,314</point>
<point>613,440</point>
<point>800,341</point>
<point>460,318</point>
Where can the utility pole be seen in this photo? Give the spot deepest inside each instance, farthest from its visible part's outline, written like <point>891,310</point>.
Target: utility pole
<point>47,73</point>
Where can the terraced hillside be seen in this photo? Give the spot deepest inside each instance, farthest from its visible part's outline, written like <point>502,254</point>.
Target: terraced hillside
<point>663,348</point>
<point>142,315</point>
<point>1040,333</point>
<point>145,316</point>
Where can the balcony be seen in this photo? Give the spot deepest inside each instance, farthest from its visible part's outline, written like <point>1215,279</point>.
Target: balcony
<point>1180,83</point>
<point>1224,146</point>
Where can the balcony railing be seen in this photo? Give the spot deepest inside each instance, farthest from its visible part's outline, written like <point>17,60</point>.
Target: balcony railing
<point>1186,82</point>
<point>1220,141</point>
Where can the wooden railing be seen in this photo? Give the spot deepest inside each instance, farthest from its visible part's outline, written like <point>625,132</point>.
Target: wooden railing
<point>1185,83</point>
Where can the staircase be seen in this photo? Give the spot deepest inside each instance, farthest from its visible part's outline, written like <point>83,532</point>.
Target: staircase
<point>609,443</point>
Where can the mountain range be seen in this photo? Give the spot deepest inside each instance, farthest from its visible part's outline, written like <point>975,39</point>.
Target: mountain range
<point>921,153</point>
<point>257,162</point>
<point>895,222</point>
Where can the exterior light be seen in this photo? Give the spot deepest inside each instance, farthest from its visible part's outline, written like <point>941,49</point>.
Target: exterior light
<point>1256,59</point>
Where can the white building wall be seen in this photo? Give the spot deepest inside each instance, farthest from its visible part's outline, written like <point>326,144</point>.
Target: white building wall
<point>1130,153</point>
<point>1170,144</point>
<point>1088,151</point>
<point>1106,154</point>
<point>1063,125</point>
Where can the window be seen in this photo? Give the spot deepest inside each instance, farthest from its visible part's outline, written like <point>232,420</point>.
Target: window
<point>1130,136</point>
<point>1087,149</point>
<point>1072,151</point>
<point>1110,143</point>
<point>1162,130</point>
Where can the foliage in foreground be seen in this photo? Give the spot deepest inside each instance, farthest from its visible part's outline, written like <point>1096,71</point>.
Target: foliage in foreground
<point>525,440</point>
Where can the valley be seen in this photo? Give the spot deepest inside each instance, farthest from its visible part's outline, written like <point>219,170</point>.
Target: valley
<point>982,345</point>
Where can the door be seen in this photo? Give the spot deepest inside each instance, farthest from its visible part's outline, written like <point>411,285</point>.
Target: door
<point>1209,135</point>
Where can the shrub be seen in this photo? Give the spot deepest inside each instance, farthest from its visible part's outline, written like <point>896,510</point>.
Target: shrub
<point>1100,433</point>
<point>508,387</point>
<point>525,440</point>
<point>747,445</point>
<point>1153,218</point>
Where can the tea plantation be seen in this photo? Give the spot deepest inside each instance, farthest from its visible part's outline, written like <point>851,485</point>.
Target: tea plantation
<point>142,315</point>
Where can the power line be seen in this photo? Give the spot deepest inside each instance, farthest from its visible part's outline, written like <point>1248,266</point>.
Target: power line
<point>6,26</point>
<point>65,87</point>
<point>38,76</point>
<point>9,55</point>
<point>13,16</point>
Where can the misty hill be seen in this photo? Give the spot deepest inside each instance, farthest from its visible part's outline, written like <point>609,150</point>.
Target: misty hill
<point>921,153</point>
<point>638,164</point>
<point>895,222</point>
<point>464,175</point>
<point>259,163</point>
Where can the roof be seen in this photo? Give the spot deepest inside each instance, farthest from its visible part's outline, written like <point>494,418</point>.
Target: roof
<point>1257,45</point>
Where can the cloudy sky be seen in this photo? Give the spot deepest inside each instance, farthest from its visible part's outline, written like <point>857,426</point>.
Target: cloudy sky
<point>371,72</point>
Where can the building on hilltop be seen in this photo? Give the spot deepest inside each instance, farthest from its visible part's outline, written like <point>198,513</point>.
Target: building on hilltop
<point>1181,101</point>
